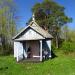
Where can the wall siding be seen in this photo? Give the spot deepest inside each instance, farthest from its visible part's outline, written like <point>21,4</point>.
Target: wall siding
<point>49,46</point>
<point>15,49</point>
<point>30,35</point>
<point>18,50</point>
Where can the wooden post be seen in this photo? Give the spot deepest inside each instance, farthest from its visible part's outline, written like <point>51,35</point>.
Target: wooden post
<point>40,50</point>
<point>17,56</point>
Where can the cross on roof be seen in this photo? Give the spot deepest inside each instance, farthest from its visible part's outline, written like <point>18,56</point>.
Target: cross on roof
<point>33,17</point>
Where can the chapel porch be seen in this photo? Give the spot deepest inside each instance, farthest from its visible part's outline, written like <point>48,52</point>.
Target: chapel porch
<point>36,49</point>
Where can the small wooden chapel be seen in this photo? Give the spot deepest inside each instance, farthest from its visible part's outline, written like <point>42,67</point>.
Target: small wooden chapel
<point>32,38</point>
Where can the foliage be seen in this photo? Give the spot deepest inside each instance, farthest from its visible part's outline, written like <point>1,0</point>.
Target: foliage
<point>53,48</point>
<point>51,16</point>
<point>68,35</point>
<point>6,50</point>
<point>68,46</point>
<point>7,24</point>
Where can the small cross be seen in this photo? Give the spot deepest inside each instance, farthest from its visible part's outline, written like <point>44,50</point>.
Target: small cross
<point>33,17</point>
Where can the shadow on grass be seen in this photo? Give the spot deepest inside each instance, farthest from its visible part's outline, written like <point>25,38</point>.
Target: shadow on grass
<point>53,54</point>
<point>3,68</point>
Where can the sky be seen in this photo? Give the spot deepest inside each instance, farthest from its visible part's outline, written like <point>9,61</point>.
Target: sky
<point>24,10</point>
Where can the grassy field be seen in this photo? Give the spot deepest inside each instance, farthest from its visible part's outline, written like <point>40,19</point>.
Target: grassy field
<point>60,65</point>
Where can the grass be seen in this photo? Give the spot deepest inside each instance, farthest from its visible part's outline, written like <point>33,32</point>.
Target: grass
<point>60,65</point>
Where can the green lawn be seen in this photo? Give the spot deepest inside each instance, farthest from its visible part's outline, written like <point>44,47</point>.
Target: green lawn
<point>61,65</point>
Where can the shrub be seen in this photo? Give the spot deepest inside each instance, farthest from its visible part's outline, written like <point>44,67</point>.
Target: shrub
<point>68,46</point>
<point>53,48</point>
<point>5,49</point>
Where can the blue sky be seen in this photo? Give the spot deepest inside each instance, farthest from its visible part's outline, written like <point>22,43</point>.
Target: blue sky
<point>24,10</point>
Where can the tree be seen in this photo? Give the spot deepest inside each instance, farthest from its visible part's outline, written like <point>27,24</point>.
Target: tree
<point>68,34</point>
<point>7,22</point>
<point>68,45</point>
<point>51,16</point>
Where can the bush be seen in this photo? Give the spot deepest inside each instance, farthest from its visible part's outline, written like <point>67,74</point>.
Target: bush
<point>53,47</point>
<point>68,46</point>
<point>5,49</point>
<point>1,50</point>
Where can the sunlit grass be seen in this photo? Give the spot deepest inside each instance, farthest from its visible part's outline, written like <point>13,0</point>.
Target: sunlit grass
<point>60,65</point>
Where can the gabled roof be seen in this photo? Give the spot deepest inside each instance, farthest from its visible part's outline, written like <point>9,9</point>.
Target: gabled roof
<point>36,28</point>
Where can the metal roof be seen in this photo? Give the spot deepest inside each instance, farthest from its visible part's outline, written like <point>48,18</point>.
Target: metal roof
<point>36,28</point>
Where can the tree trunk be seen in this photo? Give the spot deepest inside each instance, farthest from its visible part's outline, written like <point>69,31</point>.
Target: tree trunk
<point>57,42</point>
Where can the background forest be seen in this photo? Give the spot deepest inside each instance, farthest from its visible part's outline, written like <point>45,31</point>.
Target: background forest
<point>7,26</point>
<point>48,14</point>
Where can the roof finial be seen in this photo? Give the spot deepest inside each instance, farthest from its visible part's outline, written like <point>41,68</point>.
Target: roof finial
<point>33,17</point>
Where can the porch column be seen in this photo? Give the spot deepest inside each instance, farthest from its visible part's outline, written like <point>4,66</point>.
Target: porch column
<point>40,50</point>
<point>17,56</point>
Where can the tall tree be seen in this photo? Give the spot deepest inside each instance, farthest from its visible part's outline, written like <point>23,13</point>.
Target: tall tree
<point>68,34</point>
<point>7,22</point>
<point>51,16</point>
